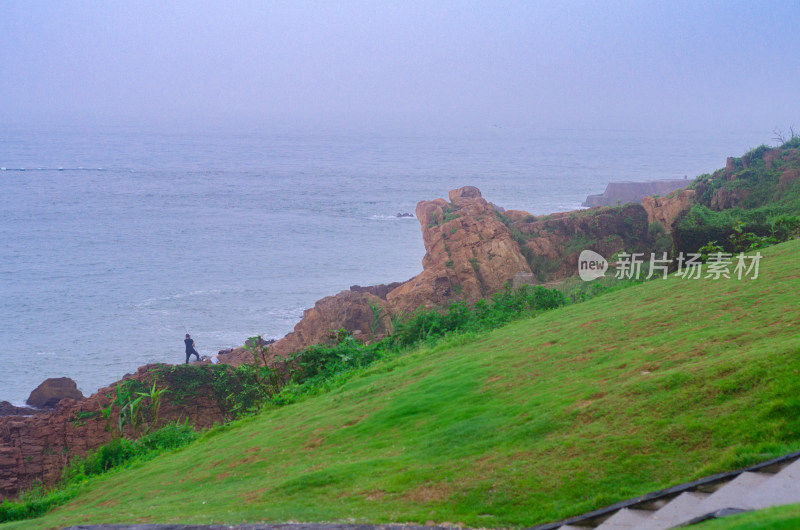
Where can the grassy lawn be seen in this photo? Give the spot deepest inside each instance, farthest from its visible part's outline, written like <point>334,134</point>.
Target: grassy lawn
<point>545,418</point>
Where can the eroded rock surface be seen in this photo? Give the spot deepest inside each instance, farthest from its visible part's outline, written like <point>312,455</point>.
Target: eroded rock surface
<point>552,243</point>
<point>666,210</point>
<point>7,409</point>
<point>36,448</point>
<point>469,253</point>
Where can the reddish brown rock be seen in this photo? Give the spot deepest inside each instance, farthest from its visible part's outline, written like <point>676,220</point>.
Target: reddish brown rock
<point>771,156</point>
<point>7,409</point>
<point>552,243</point>
<point>378,290</point>
<point>730,167</point>
<point>725,198</point>
<point>666,209</point>
<point>350,310</point>
<point>787,177</point>
<point>469,253</point>
<point>51,391</point>
<point>518,215</point>
<point>36,448</point>
<point>236,357</point>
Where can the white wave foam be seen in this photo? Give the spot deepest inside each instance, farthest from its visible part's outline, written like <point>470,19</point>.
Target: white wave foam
<point>148,302</point>
<point>60,168</point>
<point>391,217</point>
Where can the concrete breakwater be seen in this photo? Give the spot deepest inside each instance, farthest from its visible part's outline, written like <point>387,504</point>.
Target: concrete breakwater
<point>625,192</point>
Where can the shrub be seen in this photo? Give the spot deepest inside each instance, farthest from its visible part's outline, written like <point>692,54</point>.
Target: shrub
<point>785,227</point>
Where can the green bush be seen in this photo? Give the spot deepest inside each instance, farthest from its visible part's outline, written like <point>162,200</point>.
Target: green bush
<point>785,227</point>
<point>34,503</point>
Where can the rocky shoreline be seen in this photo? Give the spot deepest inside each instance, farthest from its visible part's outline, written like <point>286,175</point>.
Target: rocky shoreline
<point>472,249</point>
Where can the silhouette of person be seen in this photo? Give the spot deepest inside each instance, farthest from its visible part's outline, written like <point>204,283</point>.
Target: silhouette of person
<point>190,348</point>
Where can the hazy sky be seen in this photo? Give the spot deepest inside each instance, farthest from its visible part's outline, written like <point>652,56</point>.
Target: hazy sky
<point>406,64</point>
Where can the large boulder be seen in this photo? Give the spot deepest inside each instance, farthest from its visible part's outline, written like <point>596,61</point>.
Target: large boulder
<point>51,391</point>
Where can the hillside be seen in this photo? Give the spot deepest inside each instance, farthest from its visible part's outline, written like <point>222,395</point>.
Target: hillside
<point>545,418</point>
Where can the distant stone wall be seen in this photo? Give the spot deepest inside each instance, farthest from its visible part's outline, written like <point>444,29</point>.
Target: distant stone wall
<point>625,192</point>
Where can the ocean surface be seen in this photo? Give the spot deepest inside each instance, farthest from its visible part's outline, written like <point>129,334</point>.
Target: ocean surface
<point>116,242</point>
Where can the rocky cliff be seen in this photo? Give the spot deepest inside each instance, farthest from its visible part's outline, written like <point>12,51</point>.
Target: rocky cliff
<point>472,248</point>
<point>36,448</point>
<point>469,253</point>
<point>666,210</point>
<point>552,243</point>
<point>759,177</point>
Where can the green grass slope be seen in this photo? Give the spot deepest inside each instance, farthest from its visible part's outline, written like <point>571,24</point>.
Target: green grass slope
<point>543,419</point>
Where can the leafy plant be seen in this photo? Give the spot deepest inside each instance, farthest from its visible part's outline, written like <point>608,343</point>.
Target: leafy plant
<point>80,417</point>
<point>785,227</point>
<point>106,413</point>
<point>154,395</point>
<point>709,249</point>
<point>748,241</point>
<point>378,313</point>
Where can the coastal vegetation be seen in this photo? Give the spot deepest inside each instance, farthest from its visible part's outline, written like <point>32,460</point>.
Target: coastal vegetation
<point>756,196</point>
<point>540,419</point>
<point>517,409</point>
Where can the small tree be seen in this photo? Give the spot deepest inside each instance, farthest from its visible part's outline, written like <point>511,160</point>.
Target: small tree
<point>268,379</point>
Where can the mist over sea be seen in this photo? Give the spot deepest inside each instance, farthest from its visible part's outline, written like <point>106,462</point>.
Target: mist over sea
<point>114,242</point>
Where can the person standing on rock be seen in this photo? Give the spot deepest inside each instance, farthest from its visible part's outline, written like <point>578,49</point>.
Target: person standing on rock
<point>190,348</point>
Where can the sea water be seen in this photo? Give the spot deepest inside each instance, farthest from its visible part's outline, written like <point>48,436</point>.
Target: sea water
<point>116,242</point>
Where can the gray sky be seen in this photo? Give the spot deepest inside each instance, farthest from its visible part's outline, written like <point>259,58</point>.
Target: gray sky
<point>402,65</point>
